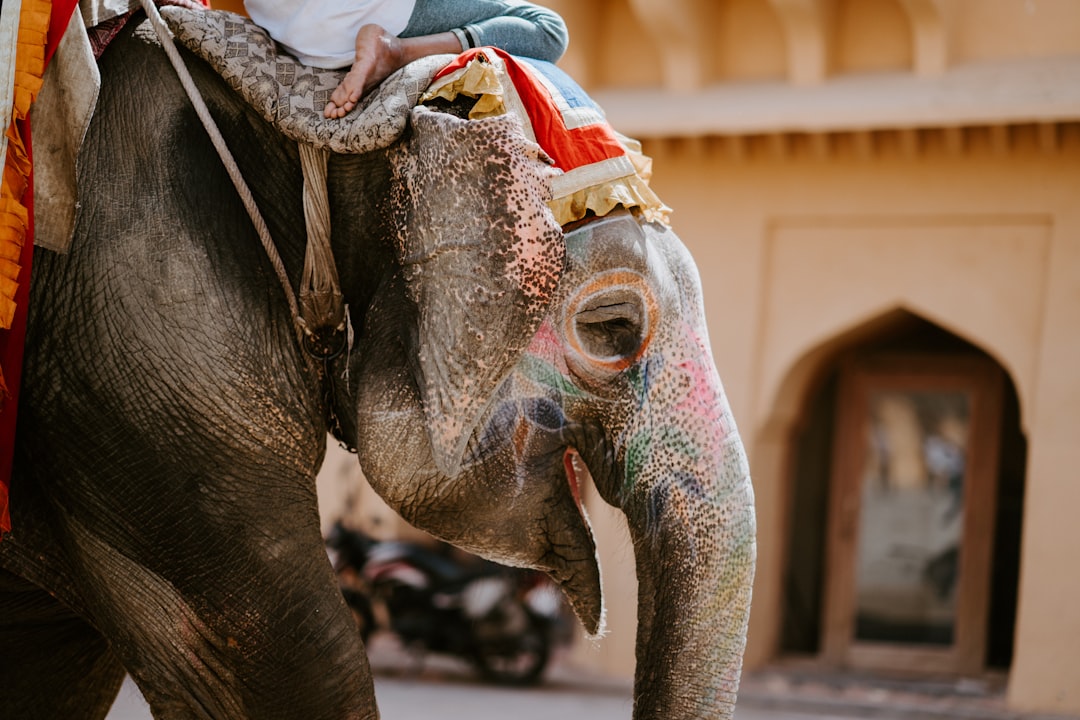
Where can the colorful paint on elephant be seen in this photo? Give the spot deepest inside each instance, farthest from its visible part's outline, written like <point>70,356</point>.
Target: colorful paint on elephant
<point>682,371</point>
<point>684,382</point>
<point>544,364</point>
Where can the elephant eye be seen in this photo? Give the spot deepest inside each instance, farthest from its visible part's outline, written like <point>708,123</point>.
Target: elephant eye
<point>609,322</point>
<point>610,330</point>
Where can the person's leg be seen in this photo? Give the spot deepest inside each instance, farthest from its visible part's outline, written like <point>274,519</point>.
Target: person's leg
<point>519,28</point>
<point>378,53</point>
<point>448,26</point>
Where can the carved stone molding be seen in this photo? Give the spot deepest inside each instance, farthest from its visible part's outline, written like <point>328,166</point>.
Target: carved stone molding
<point>928,34</point>
<point>1026,139</point>
<point>680,36</point>
<point>806,29</point>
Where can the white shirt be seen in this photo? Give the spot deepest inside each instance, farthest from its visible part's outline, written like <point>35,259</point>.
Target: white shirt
<point>322,33</point>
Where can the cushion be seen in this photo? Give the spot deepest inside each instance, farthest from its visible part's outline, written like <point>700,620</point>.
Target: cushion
<point>292,95</point>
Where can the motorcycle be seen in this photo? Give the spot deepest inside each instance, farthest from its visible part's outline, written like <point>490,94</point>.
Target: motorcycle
<point>504,621</point>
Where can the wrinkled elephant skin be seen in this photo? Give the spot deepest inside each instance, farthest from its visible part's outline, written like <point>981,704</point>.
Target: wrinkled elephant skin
<point>164,509</point>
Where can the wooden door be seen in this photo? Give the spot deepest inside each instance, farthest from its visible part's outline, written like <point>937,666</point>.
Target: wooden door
<point>911,513</point>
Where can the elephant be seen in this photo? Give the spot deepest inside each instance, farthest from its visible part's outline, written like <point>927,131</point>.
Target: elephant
<point>164,512</point>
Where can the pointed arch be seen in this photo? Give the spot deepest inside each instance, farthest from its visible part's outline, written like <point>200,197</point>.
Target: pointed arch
<point>796,445</point>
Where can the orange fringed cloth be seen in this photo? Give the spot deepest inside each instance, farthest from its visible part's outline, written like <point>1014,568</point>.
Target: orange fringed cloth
<point>602,169</point>
<point>41,24</point>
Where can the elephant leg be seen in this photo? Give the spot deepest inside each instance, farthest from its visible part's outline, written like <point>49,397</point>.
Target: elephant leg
<point>52,663</point>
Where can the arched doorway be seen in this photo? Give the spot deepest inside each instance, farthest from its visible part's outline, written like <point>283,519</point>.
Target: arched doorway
<point>907,481</point>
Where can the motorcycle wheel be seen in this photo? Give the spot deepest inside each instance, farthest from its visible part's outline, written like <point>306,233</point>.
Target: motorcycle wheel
<point>360,607</point>
<point>519,659</point>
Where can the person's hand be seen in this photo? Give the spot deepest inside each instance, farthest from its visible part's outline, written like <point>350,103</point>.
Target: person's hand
<point>378,53</point>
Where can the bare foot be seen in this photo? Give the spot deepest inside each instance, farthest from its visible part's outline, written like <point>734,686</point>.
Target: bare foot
<point>378,53</point>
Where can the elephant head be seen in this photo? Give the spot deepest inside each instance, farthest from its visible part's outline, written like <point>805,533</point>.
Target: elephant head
<point>508,350</point>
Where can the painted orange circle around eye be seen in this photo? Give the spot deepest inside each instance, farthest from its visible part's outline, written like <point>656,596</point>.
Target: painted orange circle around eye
<point>602,283</point>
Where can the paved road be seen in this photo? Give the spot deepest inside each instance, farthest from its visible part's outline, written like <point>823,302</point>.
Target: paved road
<point>455,698</point>
<point>448,689</point>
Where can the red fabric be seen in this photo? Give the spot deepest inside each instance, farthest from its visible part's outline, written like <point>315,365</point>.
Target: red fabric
<point>569,148</point>
<point>13,339</point>
<point>58,22</point>
<point>11,350</point>
<point>104,33</point>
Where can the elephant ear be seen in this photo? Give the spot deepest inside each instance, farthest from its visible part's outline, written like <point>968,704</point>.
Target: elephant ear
<point>481,257</point>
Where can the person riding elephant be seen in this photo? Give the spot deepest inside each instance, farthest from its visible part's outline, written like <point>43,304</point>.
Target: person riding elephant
<point>164,513</point>
<point>373,38</point>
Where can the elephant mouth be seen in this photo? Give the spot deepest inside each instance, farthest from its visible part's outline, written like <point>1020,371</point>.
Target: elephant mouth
<point>535,441</point>
<point>535,429</point>
<point>581,581</point>
<point>570,460</point>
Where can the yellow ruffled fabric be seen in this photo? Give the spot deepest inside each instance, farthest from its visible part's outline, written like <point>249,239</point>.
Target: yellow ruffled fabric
<point>482,80</point>
<point>34,18</point>
<point>630,191</point>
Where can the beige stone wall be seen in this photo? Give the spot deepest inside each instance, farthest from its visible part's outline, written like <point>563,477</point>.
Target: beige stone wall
<point>796,252</point>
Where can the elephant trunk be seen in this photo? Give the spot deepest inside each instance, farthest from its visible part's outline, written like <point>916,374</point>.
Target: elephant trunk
<point>689,503</point>
<point>693,605</point>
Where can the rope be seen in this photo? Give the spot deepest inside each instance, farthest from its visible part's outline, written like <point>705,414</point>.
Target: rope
<point>165,37</point>
<point>321,304</point>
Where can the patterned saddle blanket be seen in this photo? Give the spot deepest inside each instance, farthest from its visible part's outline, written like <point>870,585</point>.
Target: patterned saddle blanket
<point>292,95</point>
